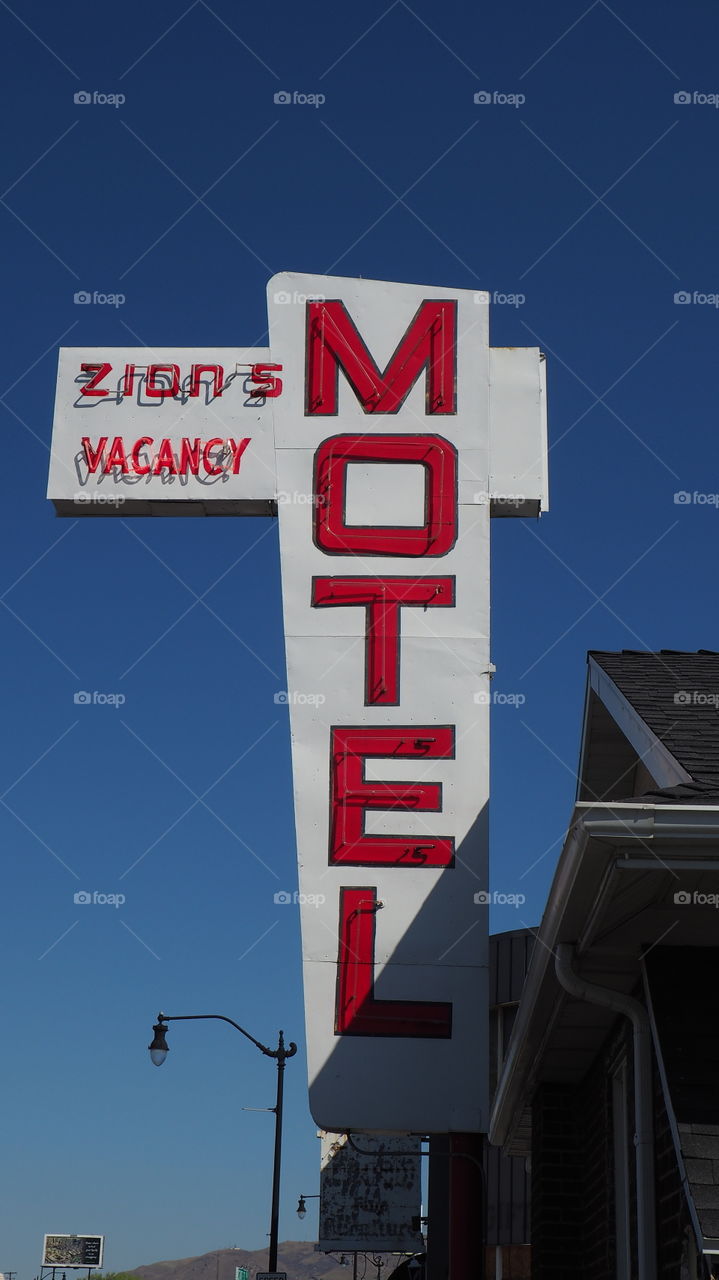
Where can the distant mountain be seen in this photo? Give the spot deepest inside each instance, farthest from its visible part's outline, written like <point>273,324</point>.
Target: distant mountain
<point>296,1257</point>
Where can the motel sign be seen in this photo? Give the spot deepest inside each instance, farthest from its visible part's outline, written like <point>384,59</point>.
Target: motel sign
<point>384,431</point>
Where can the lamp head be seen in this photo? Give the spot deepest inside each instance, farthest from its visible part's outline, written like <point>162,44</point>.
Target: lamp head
<point>159,1048</point>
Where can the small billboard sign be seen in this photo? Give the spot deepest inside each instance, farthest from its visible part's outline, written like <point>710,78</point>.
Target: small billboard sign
<point>72,1251</point>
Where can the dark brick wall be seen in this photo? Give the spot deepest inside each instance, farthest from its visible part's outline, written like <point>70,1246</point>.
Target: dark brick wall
<point>594,1107</point>
<point>672,1214</point>
<point>556,1185</point>
<point>573,1228</point>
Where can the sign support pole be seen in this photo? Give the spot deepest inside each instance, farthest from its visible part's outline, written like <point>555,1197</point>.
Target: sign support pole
<point>438,1207</point>
<point>466,1206</point>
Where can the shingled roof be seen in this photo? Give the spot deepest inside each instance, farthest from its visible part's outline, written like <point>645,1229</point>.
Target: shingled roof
<point>676,695</point>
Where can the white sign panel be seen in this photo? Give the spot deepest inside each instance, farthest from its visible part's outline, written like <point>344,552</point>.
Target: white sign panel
<point>370,1194</point>
<point>383,456</point>
<point>166,431</point>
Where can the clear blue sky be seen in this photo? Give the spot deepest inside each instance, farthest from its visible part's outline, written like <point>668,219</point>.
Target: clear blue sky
<point>596,199</point>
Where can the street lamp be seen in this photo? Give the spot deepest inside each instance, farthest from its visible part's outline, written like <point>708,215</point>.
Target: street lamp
<point>159,1050</point>
<point>302,1207</point>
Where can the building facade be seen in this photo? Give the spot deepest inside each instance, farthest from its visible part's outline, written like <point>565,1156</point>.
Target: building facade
<point>610,1083</point>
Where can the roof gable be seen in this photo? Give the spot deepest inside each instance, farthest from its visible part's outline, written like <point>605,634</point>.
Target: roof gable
<point>651,727</point>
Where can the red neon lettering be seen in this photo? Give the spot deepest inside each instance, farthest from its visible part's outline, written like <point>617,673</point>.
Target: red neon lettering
<point>269,385</point>
<point>139,468</point>
<point>128,381</point>
<point>358,1012</point>
<point>165,459</point>
<point>334,343</point>
<point>435,537</point>
<point>351,796</point>
<point>190,456</point>
<point>207,460</point>
<point>98,371</point>
<point>93,459</point>
<point>382,599</point>
<point>196,373</point>
<point>237,452</point>
<point>116,456</point>
<point>160,390</point>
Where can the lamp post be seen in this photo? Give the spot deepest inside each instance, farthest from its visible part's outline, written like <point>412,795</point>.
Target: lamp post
<point>158,1052</point>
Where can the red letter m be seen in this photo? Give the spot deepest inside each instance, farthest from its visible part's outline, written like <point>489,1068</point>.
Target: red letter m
<point>333,342</point>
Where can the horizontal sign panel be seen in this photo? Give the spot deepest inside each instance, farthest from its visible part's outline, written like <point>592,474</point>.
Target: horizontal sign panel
<point>164,431</point>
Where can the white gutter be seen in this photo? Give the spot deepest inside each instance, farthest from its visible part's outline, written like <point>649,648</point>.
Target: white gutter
<point>643,1098</point>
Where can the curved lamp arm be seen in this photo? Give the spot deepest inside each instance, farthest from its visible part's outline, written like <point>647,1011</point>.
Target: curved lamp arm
<point>280,1052</point>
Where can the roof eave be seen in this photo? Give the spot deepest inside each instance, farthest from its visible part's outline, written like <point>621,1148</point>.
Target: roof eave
<point>604,825</point>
